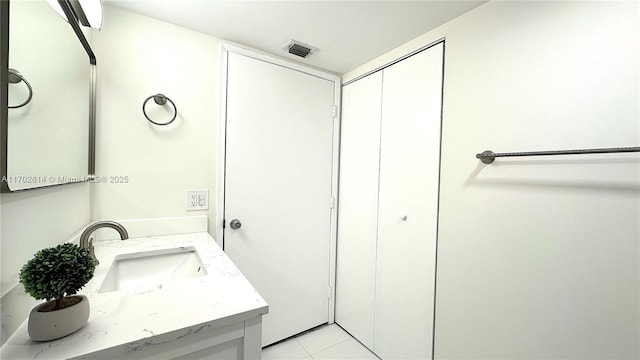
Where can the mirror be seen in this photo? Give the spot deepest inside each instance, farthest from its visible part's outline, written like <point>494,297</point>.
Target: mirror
<point>46,131</point>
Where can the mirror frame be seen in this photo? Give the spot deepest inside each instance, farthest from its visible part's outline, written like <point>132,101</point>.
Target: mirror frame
<point>4,85</point>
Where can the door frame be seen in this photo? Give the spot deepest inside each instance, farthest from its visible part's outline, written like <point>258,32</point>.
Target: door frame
<point>226,48</point>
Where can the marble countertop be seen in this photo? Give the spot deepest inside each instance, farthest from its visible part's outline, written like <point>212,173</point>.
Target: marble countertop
<point>123,321</point>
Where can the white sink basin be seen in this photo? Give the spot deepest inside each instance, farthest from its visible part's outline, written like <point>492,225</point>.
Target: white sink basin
<point>149,270</point>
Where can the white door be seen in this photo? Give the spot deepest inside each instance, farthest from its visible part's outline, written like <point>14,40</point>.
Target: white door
<point>278,185</point>
<point>408,206</point>
<point>358,204</point>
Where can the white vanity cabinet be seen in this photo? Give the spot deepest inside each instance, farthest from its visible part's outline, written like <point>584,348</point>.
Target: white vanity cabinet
<point>388,207</point>
<point>236,341</point>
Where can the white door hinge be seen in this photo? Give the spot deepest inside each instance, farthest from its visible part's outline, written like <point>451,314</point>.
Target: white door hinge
<point>332,203</point>
<point>335,111</point>
<point>329,293</point>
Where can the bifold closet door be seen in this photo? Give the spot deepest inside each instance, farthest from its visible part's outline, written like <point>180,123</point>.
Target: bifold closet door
<point>408,206</point>
<point>358,207</point>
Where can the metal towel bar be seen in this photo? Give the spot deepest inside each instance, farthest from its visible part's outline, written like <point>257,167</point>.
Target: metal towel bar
<point>489,156</point>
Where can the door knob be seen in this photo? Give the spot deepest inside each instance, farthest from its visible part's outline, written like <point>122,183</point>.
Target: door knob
<point>235,224</point>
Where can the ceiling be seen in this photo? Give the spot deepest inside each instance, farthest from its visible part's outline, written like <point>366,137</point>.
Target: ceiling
<point>347,33</point>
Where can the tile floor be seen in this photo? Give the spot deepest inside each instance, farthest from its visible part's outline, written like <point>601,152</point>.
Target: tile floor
<point>324,343</point>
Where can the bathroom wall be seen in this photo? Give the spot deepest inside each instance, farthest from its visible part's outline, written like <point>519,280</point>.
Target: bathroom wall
<point>35,219</point>
<point>538,257</point>
<point>155,165</point>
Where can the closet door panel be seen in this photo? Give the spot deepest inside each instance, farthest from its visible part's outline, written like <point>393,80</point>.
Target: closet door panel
<point>358,207</point>
<point>408,205</point>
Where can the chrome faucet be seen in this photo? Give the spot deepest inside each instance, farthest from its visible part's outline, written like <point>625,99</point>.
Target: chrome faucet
<point>87,243</point>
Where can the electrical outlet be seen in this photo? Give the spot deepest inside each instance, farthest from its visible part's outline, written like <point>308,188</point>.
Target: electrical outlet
<point>197,200</point>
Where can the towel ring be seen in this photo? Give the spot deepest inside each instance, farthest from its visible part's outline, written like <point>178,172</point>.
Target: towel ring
<point>15,78</point>
<point>160,100</point>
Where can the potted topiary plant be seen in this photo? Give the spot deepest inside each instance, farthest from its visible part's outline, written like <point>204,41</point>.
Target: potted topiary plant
<point>55,274</point>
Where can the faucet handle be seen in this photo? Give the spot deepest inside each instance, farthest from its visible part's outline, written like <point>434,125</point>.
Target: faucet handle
<point>92,251</point>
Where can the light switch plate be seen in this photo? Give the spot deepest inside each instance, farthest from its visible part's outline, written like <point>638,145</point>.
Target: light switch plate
<point>197,200</point>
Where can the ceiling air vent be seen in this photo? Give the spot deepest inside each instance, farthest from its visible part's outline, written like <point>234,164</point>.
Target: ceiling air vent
<point>297,48</point>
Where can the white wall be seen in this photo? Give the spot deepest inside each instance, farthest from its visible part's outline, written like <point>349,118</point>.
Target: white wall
<point>538,257</point>
<point>35,219</point>
<point>138,57</point>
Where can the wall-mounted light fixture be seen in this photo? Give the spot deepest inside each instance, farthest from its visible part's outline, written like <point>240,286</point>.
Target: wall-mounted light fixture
<point>88,12</point>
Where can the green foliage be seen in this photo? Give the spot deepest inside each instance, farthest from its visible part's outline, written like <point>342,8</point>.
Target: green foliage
<point>56,272</point>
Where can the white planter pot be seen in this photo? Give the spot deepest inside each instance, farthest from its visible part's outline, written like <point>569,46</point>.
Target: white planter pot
<point>45,326</point>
